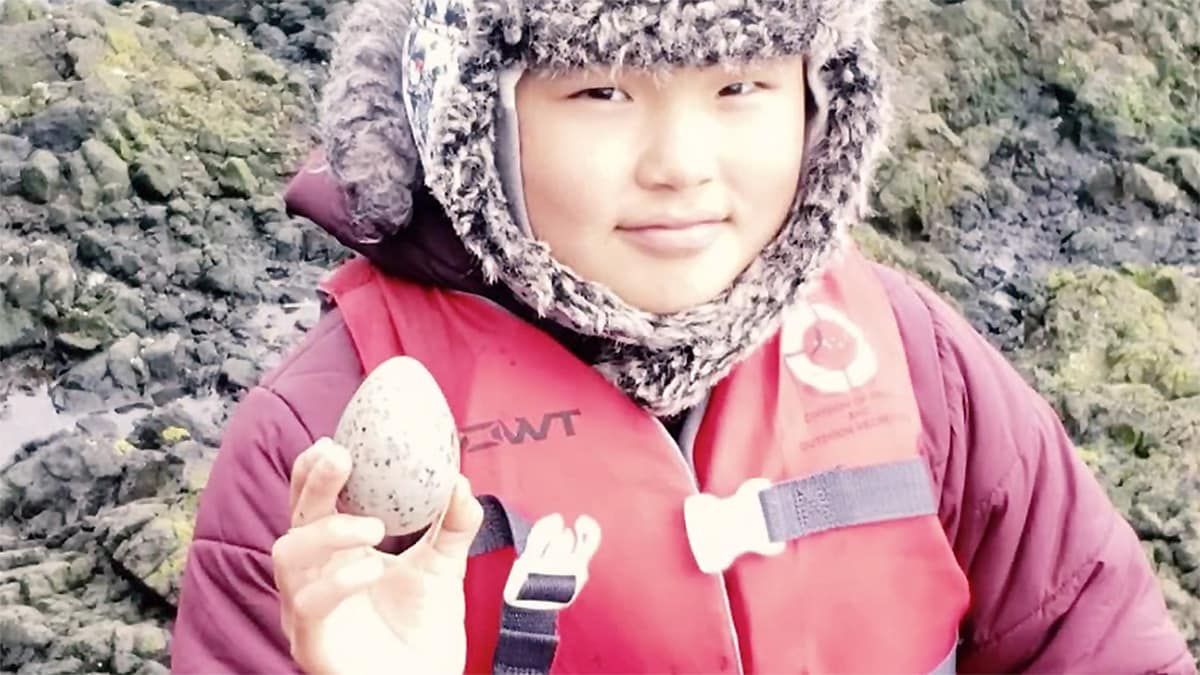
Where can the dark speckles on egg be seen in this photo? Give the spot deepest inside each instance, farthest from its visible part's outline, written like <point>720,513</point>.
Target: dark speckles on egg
<point>404,446</point>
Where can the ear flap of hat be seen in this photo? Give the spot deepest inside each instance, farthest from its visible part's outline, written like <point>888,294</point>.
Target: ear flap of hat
<point>364,125</point>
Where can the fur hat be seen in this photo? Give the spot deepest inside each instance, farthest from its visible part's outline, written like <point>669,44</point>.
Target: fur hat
<point>416,100</point>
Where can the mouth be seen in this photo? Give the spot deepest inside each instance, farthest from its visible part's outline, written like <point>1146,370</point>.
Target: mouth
<point>674,237</point>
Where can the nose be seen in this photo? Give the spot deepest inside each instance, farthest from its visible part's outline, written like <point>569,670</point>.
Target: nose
<point>680,151</point>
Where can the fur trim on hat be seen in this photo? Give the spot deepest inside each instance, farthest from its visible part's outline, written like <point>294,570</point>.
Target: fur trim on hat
<point>444,58</point>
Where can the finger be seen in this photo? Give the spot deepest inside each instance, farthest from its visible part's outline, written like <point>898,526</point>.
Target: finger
<point>316,600</point>
<point>318,495</point>
<point>302,467</point>
<point>310,547</point>
<point>312,544</point>
<point>449,550</point>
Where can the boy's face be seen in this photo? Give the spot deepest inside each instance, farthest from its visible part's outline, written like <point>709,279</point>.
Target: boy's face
<point>662,188</point>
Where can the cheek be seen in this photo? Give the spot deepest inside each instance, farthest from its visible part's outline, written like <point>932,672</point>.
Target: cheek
<point>572,182</point>
<point>767,164</point>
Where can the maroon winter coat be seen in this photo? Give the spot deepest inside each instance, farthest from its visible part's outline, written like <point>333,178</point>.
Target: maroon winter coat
<point>1059,581</point>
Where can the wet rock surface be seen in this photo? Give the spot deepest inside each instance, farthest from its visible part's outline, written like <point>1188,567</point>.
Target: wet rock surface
<point>143,288</point>
<point>1044,175</point>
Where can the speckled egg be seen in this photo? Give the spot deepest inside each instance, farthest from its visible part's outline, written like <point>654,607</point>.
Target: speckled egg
<point>404,444</point>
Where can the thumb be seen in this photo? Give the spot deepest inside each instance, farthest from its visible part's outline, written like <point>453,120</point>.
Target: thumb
<point>452,543</point>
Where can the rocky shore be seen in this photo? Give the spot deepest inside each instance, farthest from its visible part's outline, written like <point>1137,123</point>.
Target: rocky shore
<point>1044,175</point>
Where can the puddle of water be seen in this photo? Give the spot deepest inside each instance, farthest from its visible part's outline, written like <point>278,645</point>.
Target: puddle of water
<point>24,417</point>
<point>28,416</point>
<point>278,328</point>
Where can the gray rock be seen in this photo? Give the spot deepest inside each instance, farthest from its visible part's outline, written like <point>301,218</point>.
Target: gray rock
<point>320,246</point>
<point>167,313</point>
<point>24,288</point>
<point>114,525</point>
<point>124,364</point>
<point>155,177</point>
<point>13,152</point>
<point>164,394</point>
<point>261,67</point>
<point>163,356</point>
<point>77,401</point>
<point>81,181</point>
<point>111,172</point>
<point>236,179</point>
<point>207,353</point>
<point>86,54</point>
<point>92,644</point>
<point>239,373</point>
<point>18,11</point>
<point>124,661</point>
<point>101,462</point>
<point>229,279</point>
<point>22,557</point>
<point>87,375</point>
<point>41,177</point>
<point>289,243</point>
<point>146,550</point>
<point>14,148</point>
<point>18,330</point>
<point>239,146</point>
<point>188,269</point>
<point>152,668</point>
<point>67,666</point>
<point>96,248</point>
<point>23,632</point>
<point>57,275</point>
<point>63,461</point>
<point>28,56</point>
<point>228,60</point>
<point>97,426</point>
<point>194,29</point>
<point>77,342</point>
<point>49,522</point>
<point>1151,187</point>
<point>269,39</point>
<point>1189,168</point>
<point>47,578</point>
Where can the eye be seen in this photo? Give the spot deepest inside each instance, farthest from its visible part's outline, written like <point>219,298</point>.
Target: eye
<point>741,88</point>
<point>602,94</point>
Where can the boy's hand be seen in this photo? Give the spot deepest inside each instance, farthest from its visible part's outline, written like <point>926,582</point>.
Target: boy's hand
<point>349,608</point>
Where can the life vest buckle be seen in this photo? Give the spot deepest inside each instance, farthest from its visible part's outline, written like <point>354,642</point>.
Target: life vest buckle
<point>721,529</point>
<point>553,567</point>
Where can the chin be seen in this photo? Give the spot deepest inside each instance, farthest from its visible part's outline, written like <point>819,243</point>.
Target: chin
<point>669,298</point>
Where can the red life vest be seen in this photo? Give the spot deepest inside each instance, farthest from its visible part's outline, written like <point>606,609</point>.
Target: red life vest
<point>545,433</point>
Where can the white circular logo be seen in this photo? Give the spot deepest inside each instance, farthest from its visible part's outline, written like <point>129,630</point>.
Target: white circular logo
<point>818,339</point>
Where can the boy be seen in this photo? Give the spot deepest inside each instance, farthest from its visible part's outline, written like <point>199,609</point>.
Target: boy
<point>616,234</point>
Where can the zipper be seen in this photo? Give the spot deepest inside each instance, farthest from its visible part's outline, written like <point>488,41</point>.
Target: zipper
<point>687,459</point>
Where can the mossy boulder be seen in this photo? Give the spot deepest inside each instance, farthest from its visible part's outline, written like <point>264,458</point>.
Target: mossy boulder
<point>1118,353</point>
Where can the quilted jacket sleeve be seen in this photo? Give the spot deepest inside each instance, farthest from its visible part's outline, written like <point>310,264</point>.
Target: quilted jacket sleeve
<point>1059,581</point>
<point>228,619</point>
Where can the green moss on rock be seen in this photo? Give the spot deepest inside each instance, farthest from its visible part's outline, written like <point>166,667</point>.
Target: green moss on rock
<point>1118,353</point>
